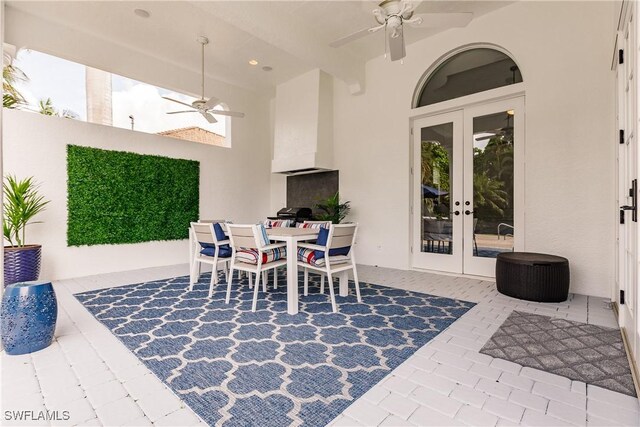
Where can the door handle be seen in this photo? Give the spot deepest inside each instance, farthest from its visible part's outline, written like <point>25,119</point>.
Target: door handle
<point>633,193</point>
<point>456,212</point>
<point>468,212</point>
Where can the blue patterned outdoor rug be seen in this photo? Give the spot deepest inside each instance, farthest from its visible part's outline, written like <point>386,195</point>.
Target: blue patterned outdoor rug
<point>268,368</point>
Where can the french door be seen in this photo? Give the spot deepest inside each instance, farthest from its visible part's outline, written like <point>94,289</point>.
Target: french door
<point>437,192</point>
<point>627,114</point>
<point>467,196</point>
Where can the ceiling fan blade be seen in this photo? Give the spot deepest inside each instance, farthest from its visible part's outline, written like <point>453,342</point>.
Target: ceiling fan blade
<point>503,133</point>
<point>209,118</point>
<point>410,6</point>
<point>496,130</point>
<point>441,20</point>
<point>396,45</point>
<point>185,111</point>
<point>484,138</point>
<point>179,102</point>
<point>355,36</point>
<point>212,102</point>
<point>226,113</point>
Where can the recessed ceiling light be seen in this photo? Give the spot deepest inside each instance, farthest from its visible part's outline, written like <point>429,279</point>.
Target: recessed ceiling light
<point>142,13</point>
<point>253,62</point>
<point>267,68</point>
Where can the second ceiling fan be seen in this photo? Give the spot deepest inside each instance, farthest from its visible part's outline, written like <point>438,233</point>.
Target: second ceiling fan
<point>203,106</point>
<point>391,17</point>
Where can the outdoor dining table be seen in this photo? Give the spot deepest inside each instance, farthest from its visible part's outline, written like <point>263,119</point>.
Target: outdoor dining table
<point>292,236</point>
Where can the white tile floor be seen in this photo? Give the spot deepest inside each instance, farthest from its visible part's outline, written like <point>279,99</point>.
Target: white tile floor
<point>90,374</point>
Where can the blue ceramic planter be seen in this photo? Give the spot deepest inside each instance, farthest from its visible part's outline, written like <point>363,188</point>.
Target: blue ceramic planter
<point>28,314</point>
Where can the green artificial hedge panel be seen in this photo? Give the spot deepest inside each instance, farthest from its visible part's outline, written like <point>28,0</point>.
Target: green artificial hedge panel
<point>120,197</point>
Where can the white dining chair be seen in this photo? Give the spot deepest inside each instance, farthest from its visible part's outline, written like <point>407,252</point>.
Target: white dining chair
<point>192,240</point>
<point>252,252</point>
<point>316,224</point>
<point>330,256</point>
<point>212,247</point>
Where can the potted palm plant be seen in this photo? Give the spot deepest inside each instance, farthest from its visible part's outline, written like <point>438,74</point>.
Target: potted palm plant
<point>332,210</point>
<point>22,203</point>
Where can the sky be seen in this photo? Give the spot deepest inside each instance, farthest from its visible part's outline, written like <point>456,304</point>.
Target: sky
<point>64,82</point>
<point>65,86</point>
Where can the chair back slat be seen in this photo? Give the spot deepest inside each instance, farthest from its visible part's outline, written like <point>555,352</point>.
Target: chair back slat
<point>341,241</point>
<point>203,232</point>
<point>242,236</point>
<point>211,220</point>
<point>342,235</point>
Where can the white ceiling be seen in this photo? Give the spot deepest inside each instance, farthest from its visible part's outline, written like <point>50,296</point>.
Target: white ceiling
<point>290,36</point>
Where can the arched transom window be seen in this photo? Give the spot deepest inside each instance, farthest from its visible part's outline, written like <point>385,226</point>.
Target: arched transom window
<point>470,71</point>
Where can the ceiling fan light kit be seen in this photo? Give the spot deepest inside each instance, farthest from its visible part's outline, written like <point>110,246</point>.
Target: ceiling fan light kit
<point>203,106</point>
<point>393,14</point>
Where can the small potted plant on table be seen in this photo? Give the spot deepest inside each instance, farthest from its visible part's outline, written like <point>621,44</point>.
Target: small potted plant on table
<point>22,203</point>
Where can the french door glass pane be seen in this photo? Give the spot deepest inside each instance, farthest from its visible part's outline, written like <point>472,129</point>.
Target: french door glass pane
<point>493,226</point>
<point>436,179</point>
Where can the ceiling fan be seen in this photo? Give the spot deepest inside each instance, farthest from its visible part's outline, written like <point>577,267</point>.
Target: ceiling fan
<point>202,106</point>
<point>505,132</point>
<point>393,14</point>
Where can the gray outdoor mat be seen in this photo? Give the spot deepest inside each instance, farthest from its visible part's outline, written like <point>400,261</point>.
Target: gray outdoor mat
<point>579,351</point>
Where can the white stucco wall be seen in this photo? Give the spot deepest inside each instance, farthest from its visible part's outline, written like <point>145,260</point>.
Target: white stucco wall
<point>564,50</point>
<point>234,184</point>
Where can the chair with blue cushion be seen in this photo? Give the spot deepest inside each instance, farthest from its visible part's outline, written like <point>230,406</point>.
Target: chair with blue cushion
<point>332,253</point>
<point>316,224</point>
<point>212,248</point>
<point>253,253</point>
<point>193,244</point>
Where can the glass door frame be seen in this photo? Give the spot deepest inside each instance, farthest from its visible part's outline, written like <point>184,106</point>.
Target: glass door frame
<point>485,266</point>
<point>450,262</point>
<point>436,114</point>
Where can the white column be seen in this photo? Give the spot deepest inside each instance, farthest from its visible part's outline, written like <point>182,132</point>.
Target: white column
<point>98,85</point>
<point>1,161</point>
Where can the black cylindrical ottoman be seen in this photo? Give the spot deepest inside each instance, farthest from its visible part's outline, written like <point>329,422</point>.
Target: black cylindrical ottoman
<point>533,277</point>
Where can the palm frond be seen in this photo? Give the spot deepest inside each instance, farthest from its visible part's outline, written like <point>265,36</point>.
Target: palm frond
<point>11,97</point>
<point>333,210</point>
<point>21,204</point>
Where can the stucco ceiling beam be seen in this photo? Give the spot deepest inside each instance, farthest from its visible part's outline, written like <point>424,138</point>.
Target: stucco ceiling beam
<point>266,22</point>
